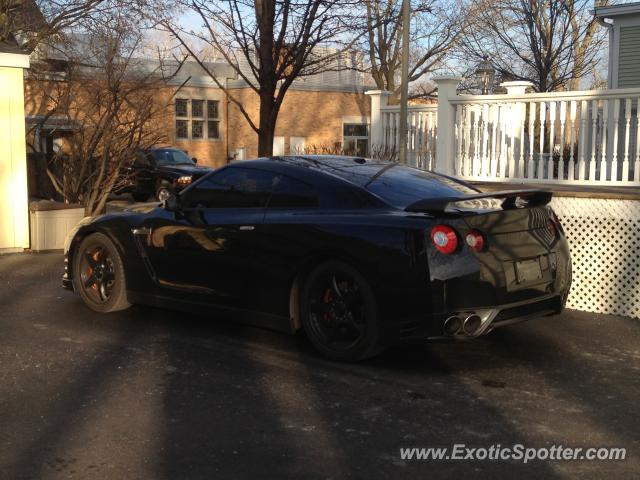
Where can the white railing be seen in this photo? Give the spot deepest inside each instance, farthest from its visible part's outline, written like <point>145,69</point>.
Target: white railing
<point>578,137</point>
<point>421,133</point>
<point>584,137</point>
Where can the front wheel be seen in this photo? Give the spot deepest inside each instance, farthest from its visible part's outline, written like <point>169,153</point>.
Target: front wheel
<point>163,193</point>
<point>339,313</point>
<point>98,274</point>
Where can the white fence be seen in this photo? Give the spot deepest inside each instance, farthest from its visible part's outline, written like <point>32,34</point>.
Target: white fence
<point>578,137</point>
<point>421,133</point>
<point>583,137</point>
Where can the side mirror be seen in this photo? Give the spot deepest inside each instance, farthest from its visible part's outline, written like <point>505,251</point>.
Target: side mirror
<point>194,159</point>
<point>171,204</point>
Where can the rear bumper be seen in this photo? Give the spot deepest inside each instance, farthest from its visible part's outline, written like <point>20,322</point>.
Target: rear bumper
<point>500,315</point>
<point>490,317</point>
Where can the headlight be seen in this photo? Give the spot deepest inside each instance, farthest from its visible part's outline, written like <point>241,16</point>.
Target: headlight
<point>184,180</point>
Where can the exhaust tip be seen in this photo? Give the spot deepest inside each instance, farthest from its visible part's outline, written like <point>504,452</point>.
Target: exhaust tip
<point>452,325</point>
<point>471,324</point>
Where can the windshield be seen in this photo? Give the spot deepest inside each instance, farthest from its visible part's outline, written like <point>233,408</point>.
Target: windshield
<point>171,157</point>
<point>401,186</point>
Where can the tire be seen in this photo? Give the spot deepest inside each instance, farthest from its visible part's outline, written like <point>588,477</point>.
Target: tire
<point>339,313</point>
<point>98,274</point>
<point>163,192</point>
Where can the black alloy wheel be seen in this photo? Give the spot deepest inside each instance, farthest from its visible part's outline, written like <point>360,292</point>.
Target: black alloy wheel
<point>339,312</point>
<point>99,274</point>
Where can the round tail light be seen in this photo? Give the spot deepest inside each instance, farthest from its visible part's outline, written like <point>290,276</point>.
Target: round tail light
<point>474,240</point>
<point>444,238</point>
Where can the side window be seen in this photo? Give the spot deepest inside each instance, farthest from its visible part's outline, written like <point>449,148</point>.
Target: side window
<point>233,187</point>
<point>292,193</point>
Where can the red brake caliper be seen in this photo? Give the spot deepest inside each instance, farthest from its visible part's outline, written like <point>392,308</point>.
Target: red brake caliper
<point>95,257</point>
<point>327,298</point>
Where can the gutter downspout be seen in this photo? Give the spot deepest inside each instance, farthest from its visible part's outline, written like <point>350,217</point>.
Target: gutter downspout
<point>602,21</point>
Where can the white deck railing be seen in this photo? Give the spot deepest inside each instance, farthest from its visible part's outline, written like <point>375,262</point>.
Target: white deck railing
<point>421,133</point>
<point>585,137</point>
<point>579,137</point>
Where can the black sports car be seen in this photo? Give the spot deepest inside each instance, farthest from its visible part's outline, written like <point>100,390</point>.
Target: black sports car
<point>358,254</point>
<point>161,172</point>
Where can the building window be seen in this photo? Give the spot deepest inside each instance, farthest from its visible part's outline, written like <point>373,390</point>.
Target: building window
<point>197,119</point>
<point>212,109</point>
<point>181,108</point>
<point>355,139</point>
<point>182,129</point>
<point>213,119</point>
<point>197,108</point>
<point>197,129</point>
<point>212,129</point>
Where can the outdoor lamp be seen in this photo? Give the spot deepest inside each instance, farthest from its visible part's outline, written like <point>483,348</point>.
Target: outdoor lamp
<point>485,74</point>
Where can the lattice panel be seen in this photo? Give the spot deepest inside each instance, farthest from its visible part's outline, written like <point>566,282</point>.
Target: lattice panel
<point>604,238</point>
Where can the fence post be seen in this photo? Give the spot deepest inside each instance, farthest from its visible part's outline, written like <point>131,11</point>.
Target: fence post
<point>378,100</point>
<point>516,87</point>
<point>446,138</point>
<point>516,121</point>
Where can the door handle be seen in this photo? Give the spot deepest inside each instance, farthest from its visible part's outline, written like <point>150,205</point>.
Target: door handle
<point>246,228</point>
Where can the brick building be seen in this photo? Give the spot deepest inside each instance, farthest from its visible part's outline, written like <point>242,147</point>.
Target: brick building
<point>323,112</point>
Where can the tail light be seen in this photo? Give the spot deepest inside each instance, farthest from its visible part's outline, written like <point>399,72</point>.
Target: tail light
<point>474,240</point>
<point>444,238</point>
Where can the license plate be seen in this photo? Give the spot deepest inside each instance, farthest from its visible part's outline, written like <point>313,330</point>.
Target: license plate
<point>528,271</point>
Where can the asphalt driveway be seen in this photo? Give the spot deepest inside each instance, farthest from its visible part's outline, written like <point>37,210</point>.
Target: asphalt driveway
<point>148,393</point>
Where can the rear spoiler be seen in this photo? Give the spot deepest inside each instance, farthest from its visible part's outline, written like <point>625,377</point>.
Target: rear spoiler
<point>532,198</point>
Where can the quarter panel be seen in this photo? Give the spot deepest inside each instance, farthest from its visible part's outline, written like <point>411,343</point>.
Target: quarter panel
<point>387,249</point>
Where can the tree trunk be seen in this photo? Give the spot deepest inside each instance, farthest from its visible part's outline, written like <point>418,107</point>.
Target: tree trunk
<point>268,117</point>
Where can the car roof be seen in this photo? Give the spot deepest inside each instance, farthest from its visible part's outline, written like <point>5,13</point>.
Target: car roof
<point>157,149</point>
<point>354,170</point>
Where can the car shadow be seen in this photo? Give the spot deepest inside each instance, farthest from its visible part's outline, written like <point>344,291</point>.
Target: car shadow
<point>257,402</point>
<point>238,401</point>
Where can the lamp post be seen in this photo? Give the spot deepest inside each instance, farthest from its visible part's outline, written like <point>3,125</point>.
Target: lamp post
<point>485,74</point>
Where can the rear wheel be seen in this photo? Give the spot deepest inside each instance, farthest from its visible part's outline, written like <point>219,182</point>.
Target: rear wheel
<point>99,274</point>
<point>339,313</point>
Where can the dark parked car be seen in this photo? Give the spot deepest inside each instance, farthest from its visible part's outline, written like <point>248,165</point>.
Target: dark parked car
<point>358,254</point>
<point>160,172</point>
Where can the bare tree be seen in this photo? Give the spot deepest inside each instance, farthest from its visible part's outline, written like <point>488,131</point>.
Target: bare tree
<point>113,101</point>
<point>552,43</point>
<point>31,22</point>
<point>436,28</point>
<point>268,43</point>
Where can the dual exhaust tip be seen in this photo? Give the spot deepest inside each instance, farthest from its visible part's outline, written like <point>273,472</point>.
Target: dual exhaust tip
<point>469,325</point>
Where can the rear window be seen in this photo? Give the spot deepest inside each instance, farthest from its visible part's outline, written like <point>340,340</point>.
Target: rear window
<point>401,186</point>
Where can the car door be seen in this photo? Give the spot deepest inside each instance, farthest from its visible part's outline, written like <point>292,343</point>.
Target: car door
<point>290,230</point>
<point>208,248</point>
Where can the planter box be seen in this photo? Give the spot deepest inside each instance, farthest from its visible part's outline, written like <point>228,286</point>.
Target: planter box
<point>50,222</point>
